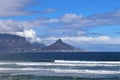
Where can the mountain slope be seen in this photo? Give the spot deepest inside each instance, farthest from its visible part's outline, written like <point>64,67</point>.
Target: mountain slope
<point>59,45</point>
<point>14,43</point>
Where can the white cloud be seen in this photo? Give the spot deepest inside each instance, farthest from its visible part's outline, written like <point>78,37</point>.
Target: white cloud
<point>22,28</point>
<point>49,10</point>
<point>10,26</point>
<point>13,7</point>
<point>100,43</point>
<point>9,8</point>
<point>87,40</point>
<point>67,23</point>
<point>30,35</point>
<point>70,17</point>
<point>74,20</point>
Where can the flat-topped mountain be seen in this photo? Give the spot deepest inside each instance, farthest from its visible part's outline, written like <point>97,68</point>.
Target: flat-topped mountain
<point>14,43</point>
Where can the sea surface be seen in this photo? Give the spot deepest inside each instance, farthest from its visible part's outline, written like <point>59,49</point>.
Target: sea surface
<point>60,66</point>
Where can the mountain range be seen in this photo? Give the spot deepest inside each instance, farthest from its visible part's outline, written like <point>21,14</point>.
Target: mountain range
<point>14,43</point>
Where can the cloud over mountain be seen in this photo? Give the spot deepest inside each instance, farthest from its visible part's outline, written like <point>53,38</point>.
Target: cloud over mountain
<point>66,24</point>
<point>21,28</point>
<point>30,35</point>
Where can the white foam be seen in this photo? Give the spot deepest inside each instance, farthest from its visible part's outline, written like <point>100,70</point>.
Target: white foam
<point>68,64</point>
<point>58,64</point>
<point>65,63</point>
<point>64,68</point>
<point>4,63</point>
<point>67,71</point>
<point>88,71</point>
<point>19,69</point>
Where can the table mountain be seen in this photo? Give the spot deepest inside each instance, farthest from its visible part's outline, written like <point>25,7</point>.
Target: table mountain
<point>14,43</point>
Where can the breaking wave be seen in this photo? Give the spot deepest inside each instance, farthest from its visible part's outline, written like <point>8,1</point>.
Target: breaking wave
<point>63,68</point>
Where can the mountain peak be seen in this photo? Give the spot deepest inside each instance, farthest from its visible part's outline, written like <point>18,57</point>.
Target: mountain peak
<point>59,41</point>
<point>60,45</point>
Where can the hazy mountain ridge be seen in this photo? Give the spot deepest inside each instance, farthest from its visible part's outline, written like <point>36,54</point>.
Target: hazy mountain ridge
<point>14,43</point>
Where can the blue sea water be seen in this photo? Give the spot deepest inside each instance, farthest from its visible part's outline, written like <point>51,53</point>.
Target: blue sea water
<point>60,66</point>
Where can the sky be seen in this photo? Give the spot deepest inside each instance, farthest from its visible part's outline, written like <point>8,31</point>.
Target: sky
<point>93,25</point>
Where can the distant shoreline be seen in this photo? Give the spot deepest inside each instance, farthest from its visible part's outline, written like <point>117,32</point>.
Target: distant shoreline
<point>55,52</point>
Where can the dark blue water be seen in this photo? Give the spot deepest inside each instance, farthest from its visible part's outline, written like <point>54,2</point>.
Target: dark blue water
<point>82,56</point>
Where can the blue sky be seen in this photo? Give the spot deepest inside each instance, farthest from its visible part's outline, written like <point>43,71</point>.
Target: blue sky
<point>81,23</point>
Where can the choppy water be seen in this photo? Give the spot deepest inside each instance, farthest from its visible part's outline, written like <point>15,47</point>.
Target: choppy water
<point>60,69</point>
<point>60,66</point>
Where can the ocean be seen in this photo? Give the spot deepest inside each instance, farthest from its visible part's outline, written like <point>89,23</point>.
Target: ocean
<point>60,66</point>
